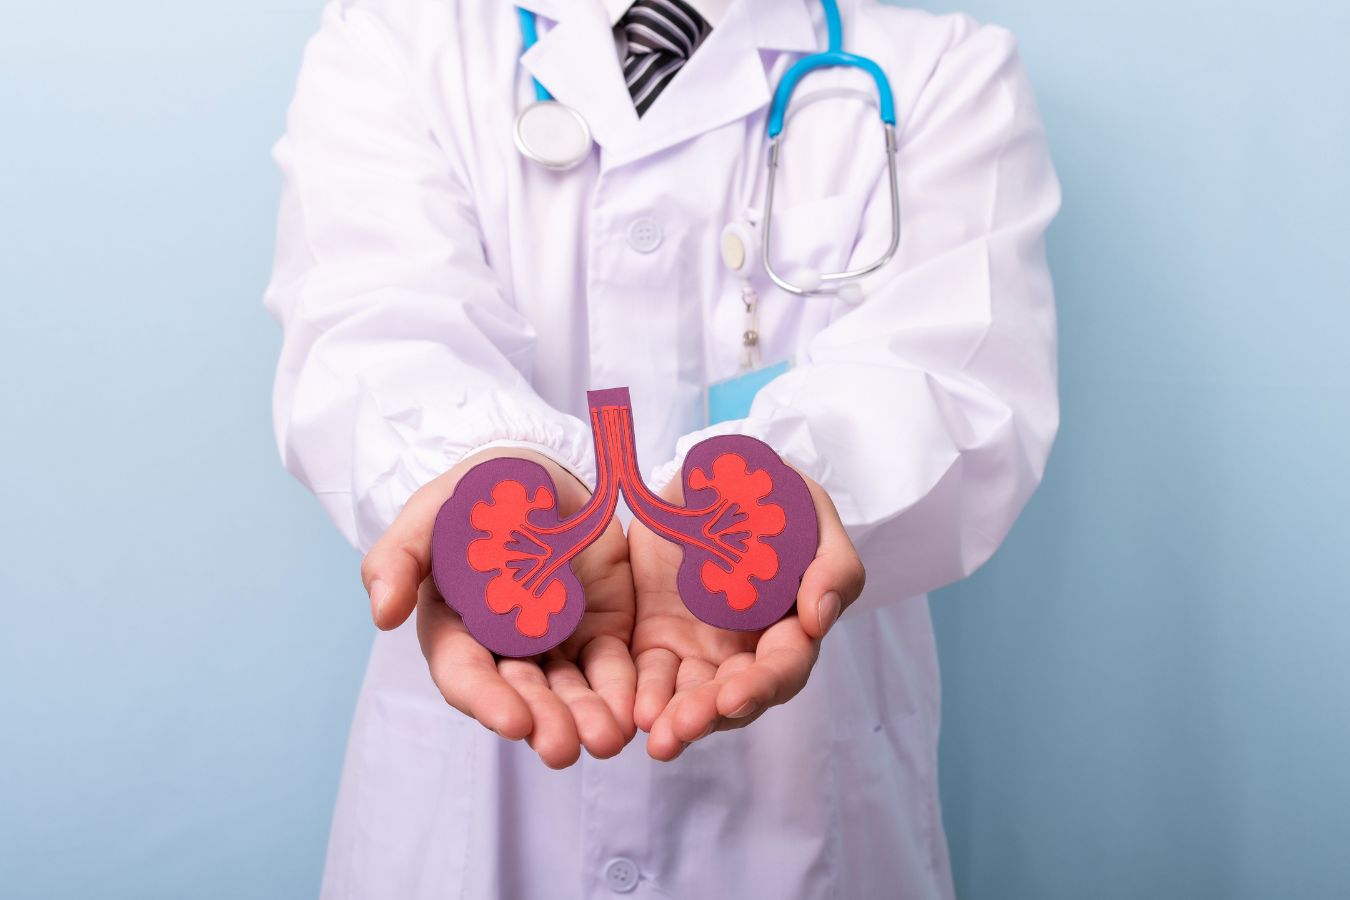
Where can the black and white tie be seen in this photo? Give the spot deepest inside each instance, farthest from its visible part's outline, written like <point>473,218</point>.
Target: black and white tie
<point>661,35</point>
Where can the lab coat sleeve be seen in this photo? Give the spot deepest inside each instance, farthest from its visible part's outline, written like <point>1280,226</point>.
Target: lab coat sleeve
<point>928,411</point>
<point>400,354</point>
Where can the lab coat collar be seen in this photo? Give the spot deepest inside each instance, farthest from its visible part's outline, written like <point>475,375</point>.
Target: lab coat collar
<point>723,81</point>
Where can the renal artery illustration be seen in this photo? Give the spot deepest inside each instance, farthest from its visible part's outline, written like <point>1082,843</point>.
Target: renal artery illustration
<point>501,556</point>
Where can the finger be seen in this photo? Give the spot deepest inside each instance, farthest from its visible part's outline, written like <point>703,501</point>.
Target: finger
<point>669,742</point>
<point>835,577</point>
<point>596,728</point>
<point>693,672</point>
<point>695,717</point>
<point>656,670</point>
<point>732,666</point>
<point>775,677</point>
<point>611,673</point>
<point>662,744</point>
<point>401,559</point>
<point>465,672</point>
<point>554,735</point>
<point>391,572</point>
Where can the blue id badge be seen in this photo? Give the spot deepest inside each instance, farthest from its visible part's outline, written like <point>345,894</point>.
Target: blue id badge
<point>731,398</point>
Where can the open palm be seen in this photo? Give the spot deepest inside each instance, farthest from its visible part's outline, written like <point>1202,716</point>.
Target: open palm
<point>579,694</point>
<point>638,658</point>
<point>693,678</point>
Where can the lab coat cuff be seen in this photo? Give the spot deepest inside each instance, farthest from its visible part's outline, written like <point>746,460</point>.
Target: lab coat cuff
<point>427,441</point>
<point>580,469</point>
<point>792,443</point>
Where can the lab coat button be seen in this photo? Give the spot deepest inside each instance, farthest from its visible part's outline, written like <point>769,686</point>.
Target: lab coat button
<point>621,875</point>
<point>644,235</point>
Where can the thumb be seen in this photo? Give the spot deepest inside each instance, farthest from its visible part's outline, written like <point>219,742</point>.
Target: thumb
<point>835,577</point>
<point>401,559</point>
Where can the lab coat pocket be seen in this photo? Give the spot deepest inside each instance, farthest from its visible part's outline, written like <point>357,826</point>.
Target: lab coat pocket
<point>807,239</point>
<point>816,236</point>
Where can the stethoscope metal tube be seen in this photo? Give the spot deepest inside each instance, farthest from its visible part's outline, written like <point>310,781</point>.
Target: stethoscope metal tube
<point>829,282</point>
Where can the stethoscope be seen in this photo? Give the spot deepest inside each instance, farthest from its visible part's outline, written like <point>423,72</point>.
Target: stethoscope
<point>555,136</point>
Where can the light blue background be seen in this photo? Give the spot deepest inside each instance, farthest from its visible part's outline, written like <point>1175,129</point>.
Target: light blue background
<point>1147,692</point>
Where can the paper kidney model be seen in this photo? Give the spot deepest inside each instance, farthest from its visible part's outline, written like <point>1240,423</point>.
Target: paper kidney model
<point>747,526</point>
<point>747,529</point>
<point>763,521</point>
<point>501,557</point>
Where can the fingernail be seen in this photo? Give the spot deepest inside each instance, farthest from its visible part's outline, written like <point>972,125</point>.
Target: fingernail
<point>828,610</point>
<point>743,710</point>
<point>379,595</point>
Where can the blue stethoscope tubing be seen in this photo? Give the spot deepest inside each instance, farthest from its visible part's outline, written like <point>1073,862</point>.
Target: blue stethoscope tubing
<point>828,283</point>
<point>529,36</point>
<point>833,56</point>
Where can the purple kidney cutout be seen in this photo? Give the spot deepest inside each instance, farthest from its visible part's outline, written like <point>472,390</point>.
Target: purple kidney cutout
<point>747,528</point>
<point>501,557</point>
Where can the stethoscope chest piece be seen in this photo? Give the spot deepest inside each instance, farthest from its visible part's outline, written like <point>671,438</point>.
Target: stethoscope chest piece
<point>553,134</point>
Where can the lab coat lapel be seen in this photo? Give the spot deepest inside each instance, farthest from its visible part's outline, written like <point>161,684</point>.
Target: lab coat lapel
<point>576,60</point>
<point>723,81</point>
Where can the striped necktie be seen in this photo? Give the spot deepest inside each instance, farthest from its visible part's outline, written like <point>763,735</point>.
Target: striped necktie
<point>661,35</point>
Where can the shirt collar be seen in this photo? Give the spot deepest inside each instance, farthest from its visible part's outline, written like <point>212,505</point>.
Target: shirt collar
<point>724,81</point>
<point>712,11</point>
<point>778,24</point>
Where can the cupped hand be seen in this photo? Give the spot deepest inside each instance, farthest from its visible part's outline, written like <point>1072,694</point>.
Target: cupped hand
<point>694,679</point>
<point>580,694</point>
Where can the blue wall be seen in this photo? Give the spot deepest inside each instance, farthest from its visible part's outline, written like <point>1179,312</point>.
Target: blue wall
<point>1146,690</point>
<point>183,633</point>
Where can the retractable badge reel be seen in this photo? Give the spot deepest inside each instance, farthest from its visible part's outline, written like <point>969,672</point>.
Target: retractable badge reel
<point>731,398</point>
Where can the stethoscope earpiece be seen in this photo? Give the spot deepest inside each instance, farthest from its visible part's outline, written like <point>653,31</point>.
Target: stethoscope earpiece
<point>851,294</point>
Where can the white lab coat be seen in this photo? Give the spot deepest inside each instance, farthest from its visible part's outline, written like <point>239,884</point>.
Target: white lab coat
<point>438,294</point>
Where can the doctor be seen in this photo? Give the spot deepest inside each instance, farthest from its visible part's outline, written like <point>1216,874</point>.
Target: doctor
<point>445,298</point>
